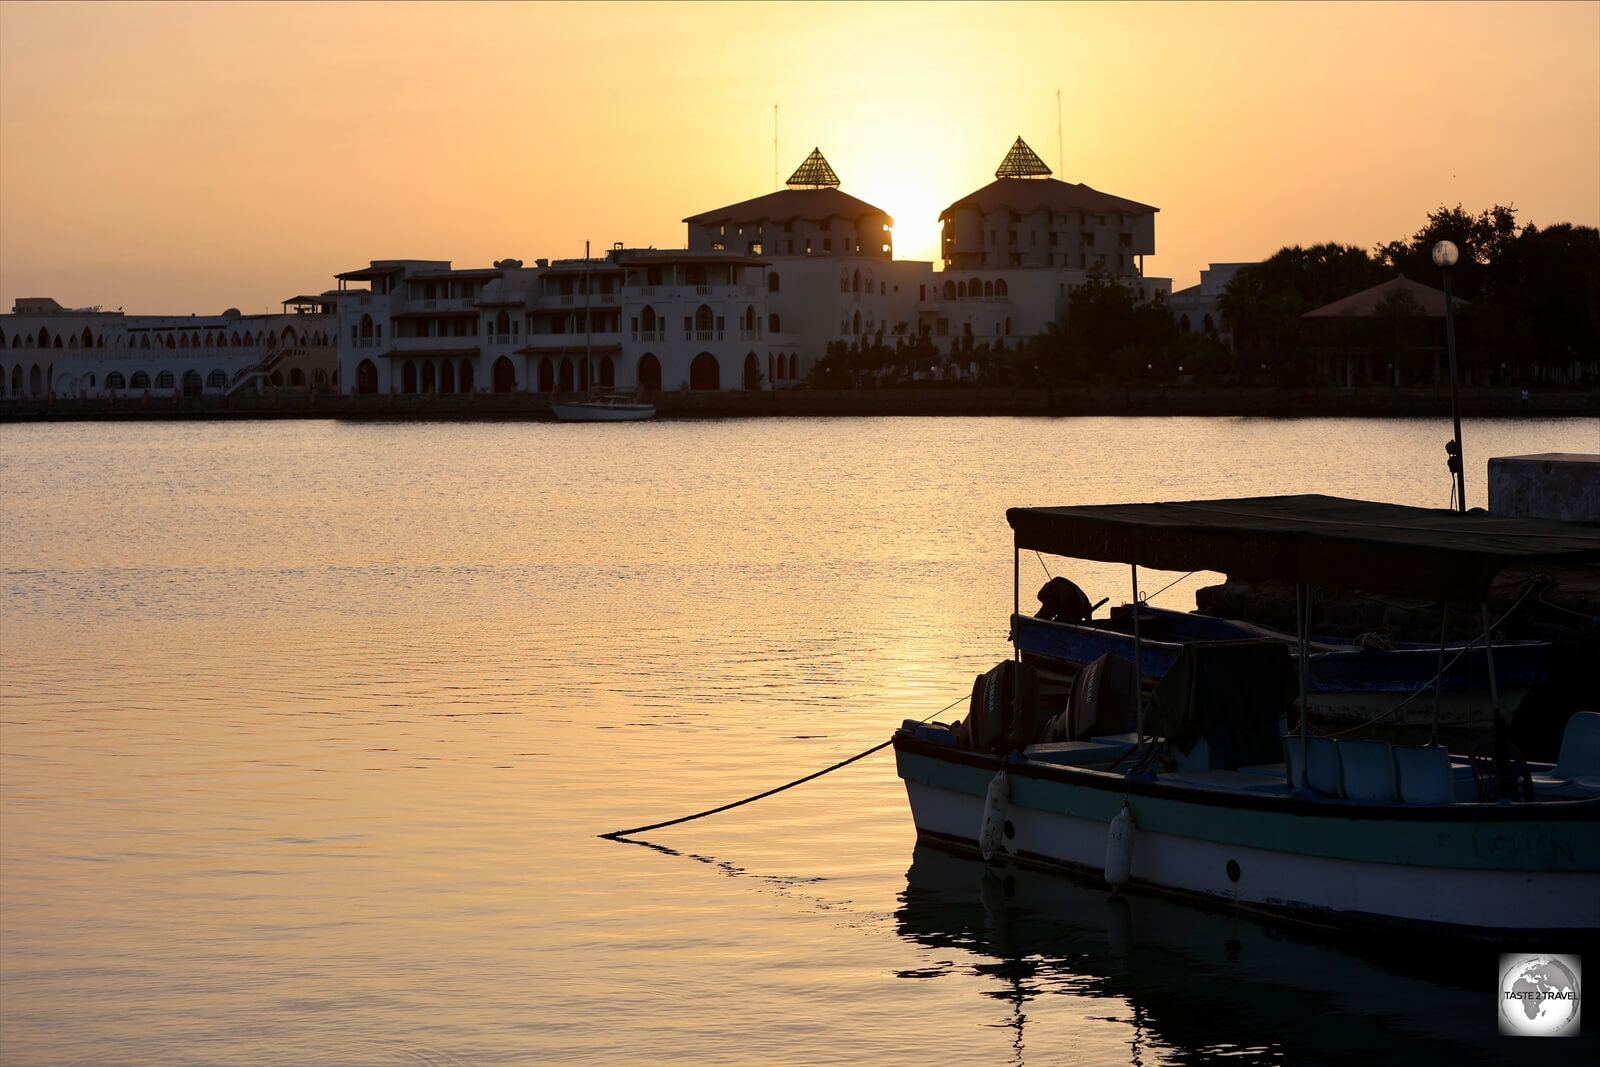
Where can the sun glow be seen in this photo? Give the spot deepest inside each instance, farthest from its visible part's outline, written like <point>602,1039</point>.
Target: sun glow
<point>238,174</point>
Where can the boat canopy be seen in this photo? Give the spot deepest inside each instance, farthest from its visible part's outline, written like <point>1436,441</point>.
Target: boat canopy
<point>1316,540</point>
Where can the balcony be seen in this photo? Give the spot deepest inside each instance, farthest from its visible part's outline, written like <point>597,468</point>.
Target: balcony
<point>702,335</point>
<point>649,336</point>
<point>368,342</point>
<point>501,338</point>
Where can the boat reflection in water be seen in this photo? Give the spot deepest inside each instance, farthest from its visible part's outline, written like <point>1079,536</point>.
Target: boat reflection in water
<point>1199,985</point>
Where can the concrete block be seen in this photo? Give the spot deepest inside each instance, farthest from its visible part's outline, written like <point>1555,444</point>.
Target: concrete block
<point>1551,485</point>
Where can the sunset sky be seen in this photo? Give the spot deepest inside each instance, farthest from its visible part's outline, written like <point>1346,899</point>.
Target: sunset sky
<point>190,157</point>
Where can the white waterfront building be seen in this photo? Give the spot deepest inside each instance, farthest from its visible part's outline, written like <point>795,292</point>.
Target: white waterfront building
<point>751,303</point>
<point>1016,250</point>
<point>47,350</point>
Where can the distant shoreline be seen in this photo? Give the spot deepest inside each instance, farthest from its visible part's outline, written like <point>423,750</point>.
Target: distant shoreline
<point>1364,402</point>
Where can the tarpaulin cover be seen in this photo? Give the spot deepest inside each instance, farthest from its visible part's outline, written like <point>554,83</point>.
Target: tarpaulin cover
<point>1317,540</point>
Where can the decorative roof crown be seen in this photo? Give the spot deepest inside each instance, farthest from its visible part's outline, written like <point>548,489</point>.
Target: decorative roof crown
<point>814,173</point>
<point>1022,162</point>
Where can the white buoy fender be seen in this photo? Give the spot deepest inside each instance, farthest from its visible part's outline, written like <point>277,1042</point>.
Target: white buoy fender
<point>995,804</point>
<point>1119,848</point>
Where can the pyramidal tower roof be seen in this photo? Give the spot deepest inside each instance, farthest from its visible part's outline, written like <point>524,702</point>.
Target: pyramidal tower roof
<point>815,173</point>
<point>1020,162</point>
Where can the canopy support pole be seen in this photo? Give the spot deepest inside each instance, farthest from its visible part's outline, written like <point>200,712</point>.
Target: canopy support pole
<point>1302,615</point>
<point>1138,669</point>
<point>1438,679</point>
<point>1016,594</point>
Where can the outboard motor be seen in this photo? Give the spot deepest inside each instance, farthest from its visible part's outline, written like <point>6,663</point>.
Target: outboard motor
<point>1103,699</point>
<point>1062,601</point>
<point>1004,712</point>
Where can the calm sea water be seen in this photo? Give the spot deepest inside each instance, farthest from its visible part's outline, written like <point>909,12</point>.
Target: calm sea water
<point>307,730</point>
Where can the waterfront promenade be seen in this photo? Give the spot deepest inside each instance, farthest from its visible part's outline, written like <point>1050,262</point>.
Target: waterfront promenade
<point>1154,401</point>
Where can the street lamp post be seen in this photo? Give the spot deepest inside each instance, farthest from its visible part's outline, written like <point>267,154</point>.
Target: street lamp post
<point>1445,255</point>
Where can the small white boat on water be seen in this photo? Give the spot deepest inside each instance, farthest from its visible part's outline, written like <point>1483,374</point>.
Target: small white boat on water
<point>1201,790</point>
<point>611,408</point>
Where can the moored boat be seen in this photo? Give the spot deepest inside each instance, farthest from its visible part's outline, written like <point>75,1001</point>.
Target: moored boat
<point>1208,796</point>
<point>612,408</point>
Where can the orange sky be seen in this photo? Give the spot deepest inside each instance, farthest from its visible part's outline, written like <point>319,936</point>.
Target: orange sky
<point>185,158</point>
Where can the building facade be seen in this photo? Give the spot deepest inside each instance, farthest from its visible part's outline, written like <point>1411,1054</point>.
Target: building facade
<point>47,350</point>
<point>1016,250</point>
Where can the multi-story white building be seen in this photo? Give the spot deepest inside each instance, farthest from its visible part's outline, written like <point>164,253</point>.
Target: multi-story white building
<point>48,350</point>
<point>1016,250</point>
<point>753,301</point>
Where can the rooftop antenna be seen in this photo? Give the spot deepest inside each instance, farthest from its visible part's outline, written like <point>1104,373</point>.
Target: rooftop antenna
<point>775,146</point>
<point>1061,165</point>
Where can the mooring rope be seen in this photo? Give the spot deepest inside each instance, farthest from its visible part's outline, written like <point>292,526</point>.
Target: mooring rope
<point>617,835</point>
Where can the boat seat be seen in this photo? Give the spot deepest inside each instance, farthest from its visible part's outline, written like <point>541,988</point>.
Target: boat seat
<point>1425,774</point>
<point>1580,750</point>
<point>1367,772</point>
<point>1073,752</point>
<point>1322,764</point>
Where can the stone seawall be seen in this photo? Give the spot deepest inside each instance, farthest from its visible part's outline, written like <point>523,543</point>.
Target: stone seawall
<point>1323,402</point>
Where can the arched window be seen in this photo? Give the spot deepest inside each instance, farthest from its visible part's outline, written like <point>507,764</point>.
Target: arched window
<point>289,339</point>
<point>752,372</point>
<point>1000,287</point>
<point>114,380</point>
<point>704,372</point>
<point>647,319</point>
<point>703,320</point>
<point>297,376</point>
<point>771,374</point>
<point>172,342</point>
<point>140,380</point>
<point>275,378</point>
<point>502,324</point>
<point>855,323</point>
<point>772,323</point>
<point>44,337</point>
<point>608,373</point>
<point>547,375</point>
<point>366,328</point>
<point>408,377</point>
<point>772,282</point>
<point>794,365</point>
<point>447,377</point>
<point>191,382</point>
<point>164,380</point>
<point>466,377</point>
<point>194,340</point>
<point>988,288</point>
<point>749,318</point>
<point>649,372</point>
<point>961,290</point>
<point>504,376</point>
<point>949,290</point>
<point>272,339</point>
<point>430,380</point>
<point>366,377</point>
<point>855,282</point>
<point>1183,324</point>
<point>183,340</point>
<point>215,380</point>
<point>1209,326</point>
<point>88,338</point>
<point>844,282</point>
<point>565,377</point>
<point>236,338</point>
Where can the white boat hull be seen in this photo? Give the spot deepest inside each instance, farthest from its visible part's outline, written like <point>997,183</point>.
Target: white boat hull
<point>601,411</point>
<point>1447,890</point>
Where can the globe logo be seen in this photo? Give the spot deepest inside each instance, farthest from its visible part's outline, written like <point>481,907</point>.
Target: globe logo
<point>1539,996</point>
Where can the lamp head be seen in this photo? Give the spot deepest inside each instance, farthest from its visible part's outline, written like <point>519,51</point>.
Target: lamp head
<point>1445,254</point>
